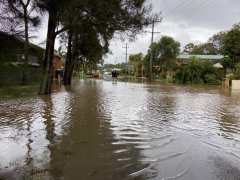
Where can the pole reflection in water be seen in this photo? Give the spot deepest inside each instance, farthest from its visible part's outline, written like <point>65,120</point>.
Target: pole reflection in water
<point>93,129</point>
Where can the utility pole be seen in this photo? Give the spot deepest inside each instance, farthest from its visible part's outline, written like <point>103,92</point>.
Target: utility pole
<point>115,62</point>
<point>126,61</point>
<point>151,57</point>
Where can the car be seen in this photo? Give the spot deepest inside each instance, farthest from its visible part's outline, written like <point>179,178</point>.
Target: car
<point>107,73</point>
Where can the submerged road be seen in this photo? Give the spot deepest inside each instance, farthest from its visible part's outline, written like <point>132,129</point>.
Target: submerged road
<point>93,129</point>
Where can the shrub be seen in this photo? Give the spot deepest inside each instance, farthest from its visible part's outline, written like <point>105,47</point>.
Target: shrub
<point>198,81</point>
<point>220,75</point>
<point>237,72</point>
<point>210,78</point>
<point>177,81</point>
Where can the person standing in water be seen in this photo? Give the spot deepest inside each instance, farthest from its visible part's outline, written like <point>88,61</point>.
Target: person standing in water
<point>114,76</point>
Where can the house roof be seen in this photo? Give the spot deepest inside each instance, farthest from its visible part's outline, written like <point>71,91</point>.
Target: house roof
<point>187,56</point>
<point>218,65</point>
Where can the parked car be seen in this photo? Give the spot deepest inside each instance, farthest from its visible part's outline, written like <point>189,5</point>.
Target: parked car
<point>107,73</point>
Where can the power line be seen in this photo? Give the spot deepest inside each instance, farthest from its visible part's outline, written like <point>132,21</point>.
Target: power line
<point>167,5</point>
<point>188,14</point>
<point>160,5</point>
<point>178,10</point>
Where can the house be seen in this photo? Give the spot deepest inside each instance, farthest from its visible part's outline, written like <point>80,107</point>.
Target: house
<point>12,49</point>
<point>214,58</point>
<point>183,57</point>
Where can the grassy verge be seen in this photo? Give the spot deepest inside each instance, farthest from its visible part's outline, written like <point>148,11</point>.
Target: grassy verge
<point>127,76</point>
<point>18,89</point>
<point>158,79</point>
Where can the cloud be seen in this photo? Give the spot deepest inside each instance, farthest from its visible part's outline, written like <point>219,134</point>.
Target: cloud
<point>188,21</point>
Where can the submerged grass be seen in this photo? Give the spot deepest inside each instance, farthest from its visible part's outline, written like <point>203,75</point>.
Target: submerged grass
<point>25,172</point>
<point>18,89</point>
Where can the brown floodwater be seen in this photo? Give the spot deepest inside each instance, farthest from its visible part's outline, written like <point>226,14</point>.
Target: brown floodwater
<point>93,129</point>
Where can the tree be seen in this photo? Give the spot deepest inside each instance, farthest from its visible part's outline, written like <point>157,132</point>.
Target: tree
<point>236,25</point>
<point>209,48</point>
<point>137,60</point>
<point>165,52</point>
<point>231,49</point>
<point>194,49</point>
<point>217,41</point>
<point>188,48</point>
<point>191,69</point>
<point>169,49</point>
<point>14,12</point>
<point>136,57</point>
<point>115,16</point>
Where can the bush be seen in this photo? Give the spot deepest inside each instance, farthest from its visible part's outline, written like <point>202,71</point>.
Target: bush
<point>198,81</point>
<point>220,75</point>
<point>210,78</point>
<point>154,76</point>
<point>177,81</point>
<point>237,72</point>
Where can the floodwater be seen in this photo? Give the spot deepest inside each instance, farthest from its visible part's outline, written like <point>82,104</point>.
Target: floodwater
<point>94,129</point>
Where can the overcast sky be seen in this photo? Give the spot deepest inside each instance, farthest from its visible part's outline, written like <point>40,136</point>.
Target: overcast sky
<point>186,21</point>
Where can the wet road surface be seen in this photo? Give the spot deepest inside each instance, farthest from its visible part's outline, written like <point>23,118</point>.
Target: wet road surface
<point>94,129</point>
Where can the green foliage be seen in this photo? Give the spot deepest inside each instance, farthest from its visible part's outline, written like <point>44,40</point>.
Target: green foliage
<point>220,74</point>
<point>9,73</point>
<point>192,70</point>
<point>217,41</point>
<point>205,48</point>
<point>213,46</point>
<point>237,72</point>
<point>210,78</point>
<point>208,69</point>
<point>165,52</point>
<point>176,81</point>
<point>193,49</point>
<point>198,72</point>
<point>198,81</point>
<point>227,62</point>
<point>136,57</point>
<point>231,49</point>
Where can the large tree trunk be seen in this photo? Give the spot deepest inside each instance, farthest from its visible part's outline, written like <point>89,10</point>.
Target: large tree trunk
<point>71,58</point>
<point>26,48</point>
<point>45,86</point>
<point>67,71</point>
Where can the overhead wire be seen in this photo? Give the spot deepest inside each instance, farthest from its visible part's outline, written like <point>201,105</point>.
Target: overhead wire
<point>167,5</point>
<point>178,10</point>
<point>195,10</point>
<point>160,5</point>
<point>188,14</point>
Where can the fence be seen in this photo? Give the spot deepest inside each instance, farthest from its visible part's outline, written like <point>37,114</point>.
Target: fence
<point>235,84</point>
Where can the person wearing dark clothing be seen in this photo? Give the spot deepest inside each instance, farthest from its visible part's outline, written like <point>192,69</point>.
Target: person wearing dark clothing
<point>114,76</point>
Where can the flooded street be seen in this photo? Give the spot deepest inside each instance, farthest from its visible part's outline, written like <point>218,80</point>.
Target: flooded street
<point>94,129</point>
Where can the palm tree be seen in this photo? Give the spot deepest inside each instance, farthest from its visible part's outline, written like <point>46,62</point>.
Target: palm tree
<point>192,69</point>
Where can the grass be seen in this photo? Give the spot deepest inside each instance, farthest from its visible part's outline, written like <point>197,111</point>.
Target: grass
<point>27,171</point>
<point>127,76</point>
<point>18,89</point>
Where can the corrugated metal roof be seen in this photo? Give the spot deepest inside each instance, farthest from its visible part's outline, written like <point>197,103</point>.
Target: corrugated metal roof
<point>187,56</point>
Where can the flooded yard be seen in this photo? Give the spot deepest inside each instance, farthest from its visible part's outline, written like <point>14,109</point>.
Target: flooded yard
<point>94,129</point>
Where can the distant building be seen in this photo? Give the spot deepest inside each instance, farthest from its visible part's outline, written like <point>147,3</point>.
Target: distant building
<point>214,58</point>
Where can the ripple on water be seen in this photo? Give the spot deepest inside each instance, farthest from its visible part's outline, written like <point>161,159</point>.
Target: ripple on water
<point>124,131</point>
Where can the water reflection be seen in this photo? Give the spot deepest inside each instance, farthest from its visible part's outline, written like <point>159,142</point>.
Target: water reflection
<point>93,129</point>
